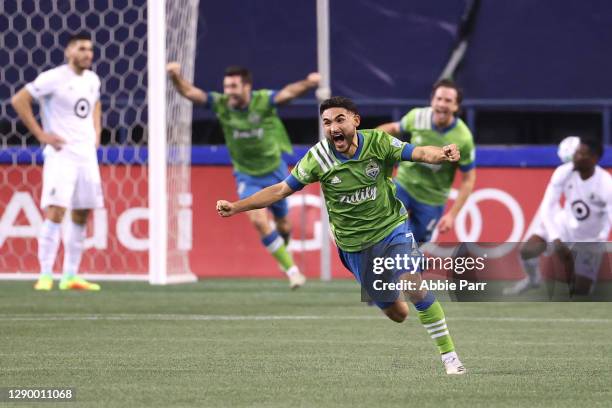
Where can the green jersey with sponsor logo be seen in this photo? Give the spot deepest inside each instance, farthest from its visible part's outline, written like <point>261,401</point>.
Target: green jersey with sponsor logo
<point>359,192</point>
<point>430,183</point>
<point>255,136</point>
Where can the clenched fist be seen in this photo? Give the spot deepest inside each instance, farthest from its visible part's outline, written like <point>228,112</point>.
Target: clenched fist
<point>314,78</point>
<point>451,152</point>
<point>225,208</point>
<point>173,69</point>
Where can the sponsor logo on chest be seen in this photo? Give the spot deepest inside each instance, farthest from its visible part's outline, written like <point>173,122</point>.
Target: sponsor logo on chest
<point>248,134</point>
<point>359,196</point>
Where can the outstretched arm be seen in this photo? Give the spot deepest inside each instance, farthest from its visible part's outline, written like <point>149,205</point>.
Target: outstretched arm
<point>184,87</point>
<point>261,199</point>
<point>435,154</point>
<point>296,89</point>
<point>393,128</point>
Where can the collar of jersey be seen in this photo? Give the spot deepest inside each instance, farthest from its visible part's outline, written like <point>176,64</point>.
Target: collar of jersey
<point>343,159</point>
<point>446,129</point>
<point>246,108</point>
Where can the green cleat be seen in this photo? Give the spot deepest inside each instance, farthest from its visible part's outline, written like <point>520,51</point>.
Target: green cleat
<point>45,282</point>
<point>77,283</point>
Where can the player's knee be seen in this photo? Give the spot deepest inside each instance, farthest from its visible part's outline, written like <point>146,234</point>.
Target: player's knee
<point>55,213</point>
<point>532,249</point>
<point>526,253</point>
<point>80,216</point>
<point>398,312</point>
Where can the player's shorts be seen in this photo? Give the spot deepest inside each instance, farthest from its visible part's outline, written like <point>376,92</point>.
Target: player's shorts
<point>587,255</point>
<point>248,185</point>
<point>587,258</point>
<point>363,264</point>
<point>71,184</point>
<point>423,217</point>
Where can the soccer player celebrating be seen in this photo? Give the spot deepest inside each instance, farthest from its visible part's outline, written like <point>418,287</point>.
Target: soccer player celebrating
<point>579,229</point>
<point>255,138</point>
<point>423,187</point>
<point>354,169</point>
<point>71,114</point>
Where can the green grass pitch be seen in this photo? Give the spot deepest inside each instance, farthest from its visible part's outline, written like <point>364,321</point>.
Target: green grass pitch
<point>233,343</point>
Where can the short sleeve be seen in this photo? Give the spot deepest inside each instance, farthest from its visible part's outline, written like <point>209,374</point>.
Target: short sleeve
<point>468,155</point>
<point>44,84</point>
<point>395,150</point>
<point>306,171</point>
<point>98,86</point>
<point>406,122</point>
<point>270,94</point>
<point>213,100</point>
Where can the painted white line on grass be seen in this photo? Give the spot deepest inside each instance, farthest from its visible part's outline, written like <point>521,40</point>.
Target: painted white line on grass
<point>203,317</point>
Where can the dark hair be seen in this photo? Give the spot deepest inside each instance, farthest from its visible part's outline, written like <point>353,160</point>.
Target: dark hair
<point>448,83</point>
<point>594,144</point>
<point>77,37</point>
<point>338,102</point>
<point>242,72</point>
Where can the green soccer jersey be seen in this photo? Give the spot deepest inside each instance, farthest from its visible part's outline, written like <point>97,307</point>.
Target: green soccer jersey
<point>430,183</point>
<point>255,136</point>
<point>359,192</point>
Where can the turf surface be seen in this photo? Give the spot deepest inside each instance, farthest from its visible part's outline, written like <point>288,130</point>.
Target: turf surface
<point>223,343</point>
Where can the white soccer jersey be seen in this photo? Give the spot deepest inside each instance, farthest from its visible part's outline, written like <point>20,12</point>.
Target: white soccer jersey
<point>587,210</point>
<point>67,102</point>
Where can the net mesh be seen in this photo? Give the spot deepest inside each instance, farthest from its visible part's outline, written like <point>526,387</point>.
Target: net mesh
<point>33,41</point>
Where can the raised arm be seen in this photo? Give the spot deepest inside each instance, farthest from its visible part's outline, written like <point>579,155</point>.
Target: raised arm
<point>435,154</point>
<point>184,87</point>
<point>393,128</point>
<point>296,89</point>
<point>22,103</point>
<point>262,199</point>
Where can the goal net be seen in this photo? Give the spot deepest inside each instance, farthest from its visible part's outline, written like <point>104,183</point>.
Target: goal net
<point>119,236</point>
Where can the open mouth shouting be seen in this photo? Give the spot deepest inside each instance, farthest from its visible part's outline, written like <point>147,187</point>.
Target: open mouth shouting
<point>340,142</point>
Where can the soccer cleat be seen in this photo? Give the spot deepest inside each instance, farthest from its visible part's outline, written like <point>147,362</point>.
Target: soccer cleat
<point>296,279</point>
<point>521,286</point>
<point>45,282</point>
<point>77,283</point>
<point>452,364</point>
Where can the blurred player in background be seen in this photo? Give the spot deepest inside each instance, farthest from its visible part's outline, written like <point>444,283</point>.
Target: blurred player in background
<point>423,187</point>
<point>578,229</point>
<point>255,138</point>
<point>69,98</point>
<point>354,170</point>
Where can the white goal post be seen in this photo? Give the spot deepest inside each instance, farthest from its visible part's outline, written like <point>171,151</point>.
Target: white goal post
<point>144,231</point>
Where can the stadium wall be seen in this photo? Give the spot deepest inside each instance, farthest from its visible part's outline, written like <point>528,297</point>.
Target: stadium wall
<point>504,203</point>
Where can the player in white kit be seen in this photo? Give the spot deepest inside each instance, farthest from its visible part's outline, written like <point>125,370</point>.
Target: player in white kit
<point>71,113</point>
<point>579,229</point>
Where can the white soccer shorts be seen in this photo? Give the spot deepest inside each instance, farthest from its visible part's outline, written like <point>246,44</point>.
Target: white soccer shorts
<point>587,258</point>
<point>71,184</point>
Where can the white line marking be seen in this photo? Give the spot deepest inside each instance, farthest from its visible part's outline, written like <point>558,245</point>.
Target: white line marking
<point>197,317</point>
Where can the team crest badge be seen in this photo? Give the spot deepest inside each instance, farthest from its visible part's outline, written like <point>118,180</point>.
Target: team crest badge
<point>254,118</point>
<point>302,173</point>
<point>395,142</point>
<point>372,169</point>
